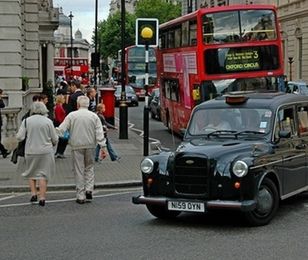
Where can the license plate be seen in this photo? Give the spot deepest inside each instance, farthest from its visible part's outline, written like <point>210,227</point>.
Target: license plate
<point>186,206</point>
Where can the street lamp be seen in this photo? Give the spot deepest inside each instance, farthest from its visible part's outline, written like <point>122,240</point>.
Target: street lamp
<point>123,134</point>
<point>95,44</point>
<point>71,28</point>
<point>290,60</point>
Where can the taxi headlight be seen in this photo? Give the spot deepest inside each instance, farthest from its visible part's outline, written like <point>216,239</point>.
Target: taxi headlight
<point>147,166</point>
<point>240,168</point>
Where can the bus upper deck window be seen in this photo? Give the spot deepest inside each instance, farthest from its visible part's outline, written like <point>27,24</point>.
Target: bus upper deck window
<point>193,33</point>
<point>171,39</point>
<point>208,29</point>
<point>258,25</point>
<point>185,33</point>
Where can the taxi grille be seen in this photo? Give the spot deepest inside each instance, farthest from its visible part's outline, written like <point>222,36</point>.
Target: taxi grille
<point>191,175</point>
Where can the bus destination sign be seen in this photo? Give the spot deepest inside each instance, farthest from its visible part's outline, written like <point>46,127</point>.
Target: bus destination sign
<point>242,60</point>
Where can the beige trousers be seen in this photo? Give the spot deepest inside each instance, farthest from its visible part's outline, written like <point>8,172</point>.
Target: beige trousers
<point>83,168</point>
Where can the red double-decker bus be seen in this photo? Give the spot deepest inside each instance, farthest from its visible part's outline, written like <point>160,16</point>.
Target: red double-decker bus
<point>80,68</point>
<point>135,69</point>
<point>213,51</point>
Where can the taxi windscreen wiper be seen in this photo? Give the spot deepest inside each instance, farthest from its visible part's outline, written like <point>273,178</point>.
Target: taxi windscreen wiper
<point>221,132</point>
<point>245,132</point>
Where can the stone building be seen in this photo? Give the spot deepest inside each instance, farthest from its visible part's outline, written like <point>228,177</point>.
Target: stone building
<point>63,46</point>
<point>115,5</point>
<point>26,55</point>
<point>293,17</point>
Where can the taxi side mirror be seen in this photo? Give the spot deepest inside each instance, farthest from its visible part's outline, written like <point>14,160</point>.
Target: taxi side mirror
<point>284,134</point>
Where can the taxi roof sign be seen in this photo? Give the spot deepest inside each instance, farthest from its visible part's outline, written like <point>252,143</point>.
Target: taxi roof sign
<point>236,99</point>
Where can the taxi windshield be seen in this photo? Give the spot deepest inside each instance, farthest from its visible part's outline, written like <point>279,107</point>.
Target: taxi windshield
<point>236,120</point>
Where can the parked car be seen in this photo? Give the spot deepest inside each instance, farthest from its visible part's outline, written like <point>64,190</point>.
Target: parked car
<point>154,104</point>
<point>131,97</point>
<point>297,87</point>
<point>242,152</point>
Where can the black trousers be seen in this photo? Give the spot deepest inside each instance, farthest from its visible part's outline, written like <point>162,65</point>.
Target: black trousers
<point>61,145</point>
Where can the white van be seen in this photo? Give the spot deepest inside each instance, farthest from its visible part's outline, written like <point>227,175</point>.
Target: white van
<point>297,87</point>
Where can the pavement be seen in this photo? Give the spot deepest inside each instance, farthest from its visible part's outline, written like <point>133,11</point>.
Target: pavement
<point>122,173</point>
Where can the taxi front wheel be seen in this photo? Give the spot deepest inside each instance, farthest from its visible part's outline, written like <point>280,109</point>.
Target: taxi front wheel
<point>162,212</point>
<point>267,204</point>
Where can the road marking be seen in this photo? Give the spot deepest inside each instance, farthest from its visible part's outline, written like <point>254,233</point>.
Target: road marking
<point>141,132</point>
<point>64,200</point>
<point>12,196</point>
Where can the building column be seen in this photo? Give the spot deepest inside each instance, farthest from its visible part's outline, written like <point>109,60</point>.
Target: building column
<point>50,62</point>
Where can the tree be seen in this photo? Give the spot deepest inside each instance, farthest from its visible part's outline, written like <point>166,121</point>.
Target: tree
<point>159,9</point>
<point>109,31</point>
<point>110,34</point>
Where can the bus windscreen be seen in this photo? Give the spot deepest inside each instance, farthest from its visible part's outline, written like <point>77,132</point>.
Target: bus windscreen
<point>239,26</point>
<point>241,59</point>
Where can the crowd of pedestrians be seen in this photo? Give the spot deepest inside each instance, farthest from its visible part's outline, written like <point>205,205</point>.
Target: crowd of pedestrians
<point>78,120</point>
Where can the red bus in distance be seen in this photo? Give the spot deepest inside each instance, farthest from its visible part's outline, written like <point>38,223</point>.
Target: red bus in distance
<point>213,51</point>
<point>80,69</point>
<point>135,69</point>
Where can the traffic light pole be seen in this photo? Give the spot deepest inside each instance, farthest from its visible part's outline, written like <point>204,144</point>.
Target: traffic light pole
<point>146,105</point>
<point>146,35</point>
<point>123,134</point>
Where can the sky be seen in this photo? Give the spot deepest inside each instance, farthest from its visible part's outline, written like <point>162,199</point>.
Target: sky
<point>84,14</point>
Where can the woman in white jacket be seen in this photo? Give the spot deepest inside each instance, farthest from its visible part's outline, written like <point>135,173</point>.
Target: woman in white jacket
<point>40,137</point>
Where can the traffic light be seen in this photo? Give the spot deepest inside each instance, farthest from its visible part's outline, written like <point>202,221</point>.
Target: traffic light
<point>94,60</point>
<point>147,31</point>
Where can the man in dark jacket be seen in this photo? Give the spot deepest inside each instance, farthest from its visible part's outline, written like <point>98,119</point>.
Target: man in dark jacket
<point>76,92</point>
<point>4,152</point>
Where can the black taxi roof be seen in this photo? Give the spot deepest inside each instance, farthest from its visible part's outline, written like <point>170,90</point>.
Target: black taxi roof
<point>255,99</point>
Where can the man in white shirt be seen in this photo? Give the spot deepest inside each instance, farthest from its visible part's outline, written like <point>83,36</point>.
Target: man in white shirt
<point>85,130</point>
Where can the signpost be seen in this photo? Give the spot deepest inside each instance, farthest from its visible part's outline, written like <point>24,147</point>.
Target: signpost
<point>146,35</point>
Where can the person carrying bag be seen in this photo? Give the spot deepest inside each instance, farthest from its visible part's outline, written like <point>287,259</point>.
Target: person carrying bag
<point>20,150</point>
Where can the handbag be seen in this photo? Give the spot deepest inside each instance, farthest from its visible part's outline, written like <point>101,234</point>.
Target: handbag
<point>20,150</point>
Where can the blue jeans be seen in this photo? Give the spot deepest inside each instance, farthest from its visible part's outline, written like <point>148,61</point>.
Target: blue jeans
<point>112,153</point>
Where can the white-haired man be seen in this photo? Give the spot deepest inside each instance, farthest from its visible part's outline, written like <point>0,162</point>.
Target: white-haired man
<point>85,130</point>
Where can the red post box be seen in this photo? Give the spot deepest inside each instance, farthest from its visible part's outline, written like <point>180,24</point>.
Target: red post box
<point>107,98</point>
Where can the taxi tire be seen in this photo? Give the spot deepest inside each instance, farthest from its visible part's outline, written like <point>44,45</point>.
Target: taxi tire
<point>162,212</point>
<point>254,218</point>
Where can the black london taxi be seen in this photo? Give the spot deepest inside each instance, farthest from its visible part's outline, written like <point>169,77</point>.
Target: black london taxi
<point>241,151</point>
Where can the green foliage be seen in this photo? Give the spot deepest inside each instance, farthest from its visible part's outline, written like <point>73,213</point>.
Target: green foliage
<point>109,31</point>
<point>25,83</point>
<point>110,34</point>
<point>159,9</point>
